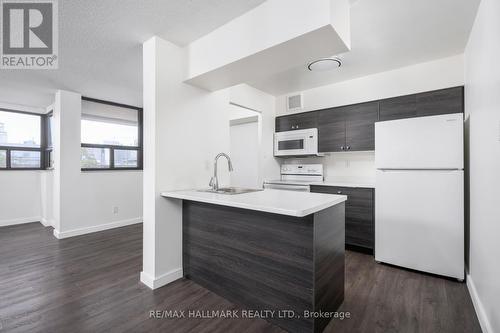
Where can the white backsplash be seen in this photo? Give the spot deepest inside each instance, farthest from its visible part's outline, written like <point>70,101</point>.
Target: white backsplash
<point>348,166</point>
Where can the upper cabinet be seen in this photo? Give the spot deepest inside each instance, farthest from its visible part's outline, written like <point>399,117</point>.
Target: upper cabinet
<point>430,103</point>
<point>296,121</point>
<point>352,127</point>
<point>360,126</point>
<point>443,101</point>
<point>331,130</point>
<point>347,128</point>
<point>398,108</point>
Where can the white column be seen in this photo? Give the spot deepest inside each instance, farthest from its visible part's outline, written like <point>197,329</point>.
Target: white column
<point>162,241</point>
<point>184,128</point>
<point>67,115</point>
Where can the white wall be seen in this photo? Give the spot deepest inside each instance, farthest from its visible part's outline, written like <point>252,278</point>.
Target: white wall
<point>19,197</point>
<point>254,99</point>
<point>47,197</point>
<point>438,74</point>
<point>184,128</point>
<point>238,112</point>
<point>244,152</point>
<point>20,191</point>
<point>273,37</point>
<point>482,106</point>
<point>84,201</point>
<point>271,23</point>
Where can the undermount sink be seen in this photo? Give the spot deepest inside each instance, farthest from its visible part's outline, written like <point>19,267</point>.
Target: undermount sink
<point>232,190</point>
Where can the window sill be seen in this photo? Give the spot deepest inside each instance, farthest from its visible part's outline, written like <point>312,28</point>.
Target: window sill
<point>22,169</point>
<point>108,170</point>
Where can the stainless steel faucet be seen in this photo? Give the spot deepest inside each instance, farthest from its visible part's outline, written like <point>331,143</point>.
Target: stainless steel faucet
<point>214,182</point>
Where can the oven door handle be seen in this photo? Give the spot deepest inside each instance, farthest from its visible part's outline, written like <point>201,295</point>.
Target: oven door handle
<point>302,188</point>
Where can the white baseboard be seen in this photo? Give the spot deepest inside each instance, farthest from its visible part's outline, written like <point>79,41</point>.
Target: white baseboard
<point>46,223</point>
<point>478,306</point>
<point>4,223</point>
<point>164,279</point>
<point>82,231</point>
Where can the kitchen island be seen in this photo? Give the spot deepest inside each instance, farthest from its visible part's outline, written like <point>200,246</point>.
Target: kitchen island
<point>281,251</point>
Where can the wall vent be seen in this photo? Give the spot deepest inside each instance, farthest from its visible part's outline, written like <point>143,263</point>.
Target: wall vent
<point>295,102</point>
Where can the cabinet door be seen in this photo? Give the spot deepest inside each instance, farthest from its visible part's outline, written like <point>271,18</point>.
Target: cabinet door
<point>359,217</point>
<point>398,108</point>
<point>331,130</point>
<point>429,103</point>
<point>360,126</point>
<point>359,214</point>
<point>296,121</point>
<point>443,101</point>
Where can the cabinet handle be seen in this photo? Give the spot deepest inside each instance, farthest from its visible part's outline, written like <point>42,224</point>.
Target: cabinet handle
<point>348,147</point>
<point>342,147</point>
<point>339,192</point>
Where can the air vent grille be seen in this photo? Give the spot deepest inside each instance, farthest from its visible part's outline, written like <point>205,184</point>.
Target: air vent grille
<point>295,102</point>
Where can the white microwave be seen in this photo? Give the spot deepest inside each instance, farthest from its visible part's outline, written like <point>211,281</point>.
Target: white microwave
<point>296,143</point>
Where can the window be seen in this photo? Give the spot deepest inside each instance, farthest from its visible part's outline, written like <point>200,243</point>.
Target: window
<point>125,158</point>
<point>20,140</point>
<point>48,124</point>
<point>24,159</point>
<point>95,158</point>
<point>111,136</point>
<point>3,159</point>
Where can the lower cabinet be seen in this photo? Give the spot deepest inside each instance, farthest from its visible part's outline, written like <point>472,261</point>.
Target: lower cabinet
<point>359,214</point>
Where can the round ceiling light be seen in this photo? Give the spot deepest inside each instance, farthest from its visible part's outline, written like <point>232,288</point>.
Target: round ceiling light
<point>324,64</point>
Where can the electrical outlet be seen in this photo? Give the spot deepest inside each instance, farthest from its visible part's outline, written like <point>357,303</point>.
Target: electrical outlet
<point>115,210</point>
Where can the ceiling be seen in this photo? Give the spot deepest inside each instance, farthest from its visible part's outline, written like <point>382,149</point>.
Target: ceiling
<point>100,52</point>
<point>100,46</point>
<point>385,35</point>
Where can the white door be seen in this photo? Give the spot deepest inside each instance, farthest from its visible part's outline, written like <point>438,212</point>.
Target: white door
<point>245,154</point>
<point>434,142</point>
<point>419,220</point>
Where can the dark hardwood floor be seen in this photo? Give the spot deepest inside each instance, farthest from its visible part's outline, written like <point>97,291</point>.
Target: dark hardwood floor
<point>91,283</point>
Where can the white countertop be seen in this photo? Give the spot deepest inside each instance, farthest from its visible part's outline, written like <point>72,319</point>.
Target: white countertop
<point>291,203</point>
<point>339,183</point>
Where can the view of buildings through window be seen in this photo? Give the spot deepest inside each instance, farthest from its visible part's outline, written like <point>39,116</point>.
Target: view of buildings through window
<point>20,136</point>
<point>95,158</point>
<point>109,136</point>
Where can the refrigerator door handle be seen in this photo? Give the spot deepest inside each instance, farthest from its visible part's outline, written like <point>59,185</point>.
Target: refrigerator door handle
<point>392,169</point>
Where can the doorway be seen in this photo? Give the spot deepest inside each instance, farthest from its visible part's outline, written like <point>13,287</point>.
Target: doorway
<point>245,147</point>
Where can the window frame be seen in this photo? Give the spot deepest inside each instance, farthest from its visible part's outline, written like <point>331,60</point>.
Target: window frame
<point>47,150</point>
<point>139,148</point>
<point>41,149</point>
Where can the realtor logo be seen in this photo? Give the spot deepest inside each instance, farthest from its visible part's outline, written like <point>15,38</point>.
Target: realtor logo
<point>29,34</point>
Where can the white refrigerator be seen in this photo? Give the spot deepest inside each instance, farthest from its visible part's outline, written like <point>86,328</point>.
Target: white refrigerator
<point>419,194</point>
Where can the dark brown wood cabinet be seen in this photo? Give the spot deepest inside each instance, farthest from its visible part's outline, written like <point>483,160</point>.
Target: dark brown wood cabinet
<point>347,128</point>
<point>430,103</point>
<point>297,121</point>
<point>267,261</point>
<point>398,108</point>
<point>359,214</point>
<point>360,126</point>
<point>444,101</point>
<point>352,127</point>
<point>331,130</point>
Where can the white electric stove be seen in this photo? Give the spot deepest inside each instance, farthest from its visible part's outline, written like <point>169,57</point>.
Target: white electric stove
<point>297,177</point>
